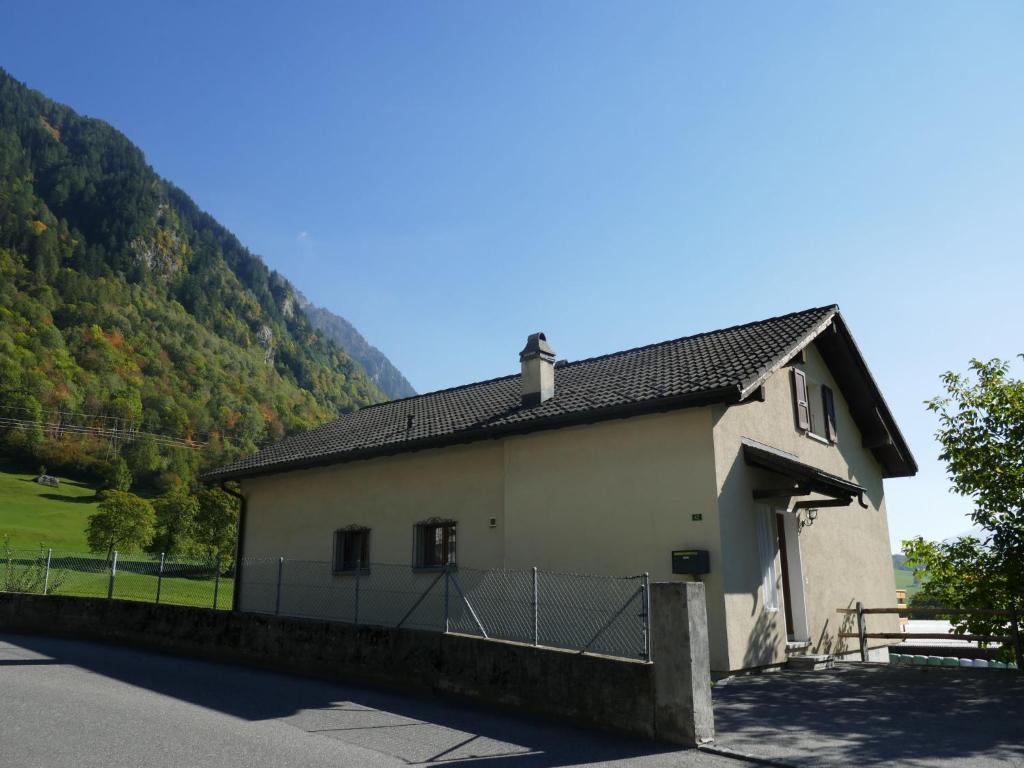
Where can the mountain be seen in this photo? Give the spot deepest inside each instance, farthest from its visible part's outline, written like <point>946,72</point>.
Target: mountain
<point>125,309</point>
<point>382,372</point>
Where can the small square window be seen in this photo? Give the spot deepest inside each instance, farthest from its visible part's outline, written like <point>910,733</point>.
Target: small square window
<point>352,550</point>
<point>435,544</point>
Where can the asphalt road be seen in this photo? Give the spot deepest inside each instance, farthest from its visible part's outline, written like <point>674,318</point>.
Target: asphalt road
<point>874,714</point>
<point>77,704</point>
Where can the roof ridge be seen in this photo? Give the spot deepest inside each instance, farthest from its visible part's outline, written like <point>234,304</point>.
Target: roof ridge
<point>752,323</point>
<point>606,356</point>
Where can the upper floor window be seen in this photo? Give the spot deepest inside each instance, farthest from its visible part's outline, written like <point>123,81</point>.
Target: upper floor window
<point>352,549</point>
<point>815,407</point>
<point>434,543</point>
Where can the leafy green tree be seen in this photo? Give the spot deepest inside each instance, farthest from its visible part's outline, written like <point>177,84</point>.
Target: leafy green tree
<point>118,477</point>
<point>143,457</point>
<point>981,430</point>
<point>217,525</point>
<point>123,521</point>
<point>176,514</point>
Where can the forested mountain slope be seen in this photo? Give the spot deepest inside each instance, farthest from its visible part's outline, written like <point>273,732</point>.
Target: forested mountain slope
<point>123,303</point>
<point>380,370</point>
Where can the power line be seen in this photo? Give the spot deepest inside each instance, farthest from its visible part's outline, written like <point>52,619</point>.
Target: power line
<point>115,430</point>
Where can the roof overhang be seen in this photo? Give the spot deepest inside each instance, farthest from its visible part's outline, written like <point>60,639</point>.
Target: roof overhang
<point>879,431</point>
<point>804,480</point>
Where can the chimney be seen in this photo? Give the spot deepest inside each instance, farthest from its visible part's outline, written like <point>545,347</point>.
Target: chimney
<point>538,361</point>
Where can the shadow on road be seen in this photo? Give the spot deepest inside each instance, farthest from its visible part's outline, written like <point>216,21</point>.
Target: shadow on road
<point>415,729</point>
<point>875,714</point>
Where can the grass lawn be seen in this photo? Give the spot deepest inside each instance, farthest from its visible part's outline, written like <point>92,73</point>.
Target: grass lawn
<point>37,517</point>
<point>905,580</point>
<point>83,575</point>
<point>34,515</point>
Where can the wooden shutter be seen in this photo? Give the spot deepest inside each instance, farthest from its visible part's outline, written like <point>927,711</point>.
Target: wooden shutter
<point>829,406</point>
<point>803,408</point>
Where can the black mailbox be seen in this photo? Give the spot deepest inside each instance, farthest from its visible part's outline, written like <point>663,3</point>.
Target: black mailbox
<point>692,561</point>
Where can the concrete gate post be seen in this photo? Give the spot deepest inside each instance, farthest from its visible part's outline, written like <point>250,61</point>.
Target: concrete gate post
<point>682,669</point>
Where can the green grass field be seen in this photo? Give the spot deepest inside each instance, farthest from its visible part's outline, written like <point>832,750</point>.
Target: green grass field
<point>82,575</point>
<point>35,518</point>
<point>34,515</point>
<point>905,580</point>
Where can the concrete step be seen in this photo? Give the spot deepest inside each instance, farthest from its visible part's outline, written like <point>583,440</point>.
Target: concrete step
<point>810,662</point>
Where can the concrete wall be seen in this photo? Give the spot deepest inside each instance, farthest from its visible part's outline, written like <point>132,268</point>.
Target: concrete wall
<point>295,514</point>
<point>845,553</point>
<point>599,691</point>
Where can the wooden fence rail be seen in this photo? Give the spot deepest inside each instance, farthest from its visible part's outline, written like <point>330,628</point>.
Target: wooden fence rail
<point>862,635</point>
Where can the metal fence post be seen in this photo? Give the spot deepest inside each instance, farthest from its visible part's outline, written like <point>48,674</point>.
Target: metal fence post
<point>355,613</point>
<point>113,573</point>
<point>536,610</point>
<point>160,578</point>
<point>216,582</point>
<point>447,578</point>
<point>645,612</point>
<point>280,571</point>
<point>862,631</point>
<point>46,579</point>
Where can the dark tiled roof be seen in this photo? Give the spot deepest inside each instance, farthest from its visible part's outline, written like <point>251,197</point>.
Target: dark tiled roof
<point>720,365</point>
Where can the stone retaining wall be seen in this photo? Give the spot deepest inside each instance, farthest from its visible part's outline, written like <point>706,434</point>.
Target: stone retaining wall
<point>617,694</point>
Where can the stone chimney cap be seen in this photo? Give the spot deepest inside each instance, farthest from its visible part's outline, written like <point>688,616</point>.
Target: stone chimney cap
<point>536,346</point>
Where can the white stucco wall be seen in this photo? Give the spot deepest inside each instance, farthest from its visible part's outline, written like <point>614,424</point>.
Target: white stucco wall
<point>845,553</point>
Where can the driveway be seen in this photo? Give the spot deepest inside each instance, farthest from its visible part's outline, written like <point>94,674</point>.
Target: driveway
<point>69,703</point>
<point>875,715</point>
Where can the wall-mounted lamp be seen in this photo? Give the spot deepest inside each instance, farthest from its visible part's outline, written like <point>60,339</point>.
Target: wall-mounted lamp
<point>807,520</point>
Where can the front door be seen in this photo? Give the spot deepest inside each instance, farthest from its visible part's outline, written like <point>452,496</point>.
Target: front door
<point>792,577</point>
<point>787,592</point>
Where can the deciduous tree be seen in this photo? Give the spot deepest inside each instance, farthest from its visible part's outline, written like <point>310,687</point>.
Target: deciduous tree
<point>123,521</point>
<point>176,513</point>
<point>981,430</point>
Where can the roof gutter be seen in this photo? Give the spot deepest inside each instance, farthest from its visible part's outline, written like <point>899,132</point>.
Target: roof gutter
<point>236,599</point>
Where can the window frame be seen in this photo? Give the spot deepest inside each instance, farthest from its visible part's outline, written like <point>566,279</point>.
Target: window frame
<point>816,407</point>
<point>425,542</point>
<point>341,566</point>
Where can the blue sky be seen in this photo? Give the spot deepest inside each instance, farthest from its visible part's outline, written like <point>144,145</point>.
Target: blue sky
<point>453,176</point>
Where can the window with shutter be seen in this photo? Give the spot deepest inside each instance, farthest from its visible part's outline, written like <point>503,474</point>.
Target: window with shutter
<point>803,409</point>
<point>829,406</point>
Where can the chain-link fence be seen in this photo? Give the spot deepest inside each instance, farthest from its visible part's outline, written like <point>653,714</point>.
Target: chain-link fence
<point>598,614</point>
<point>202,583</point>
